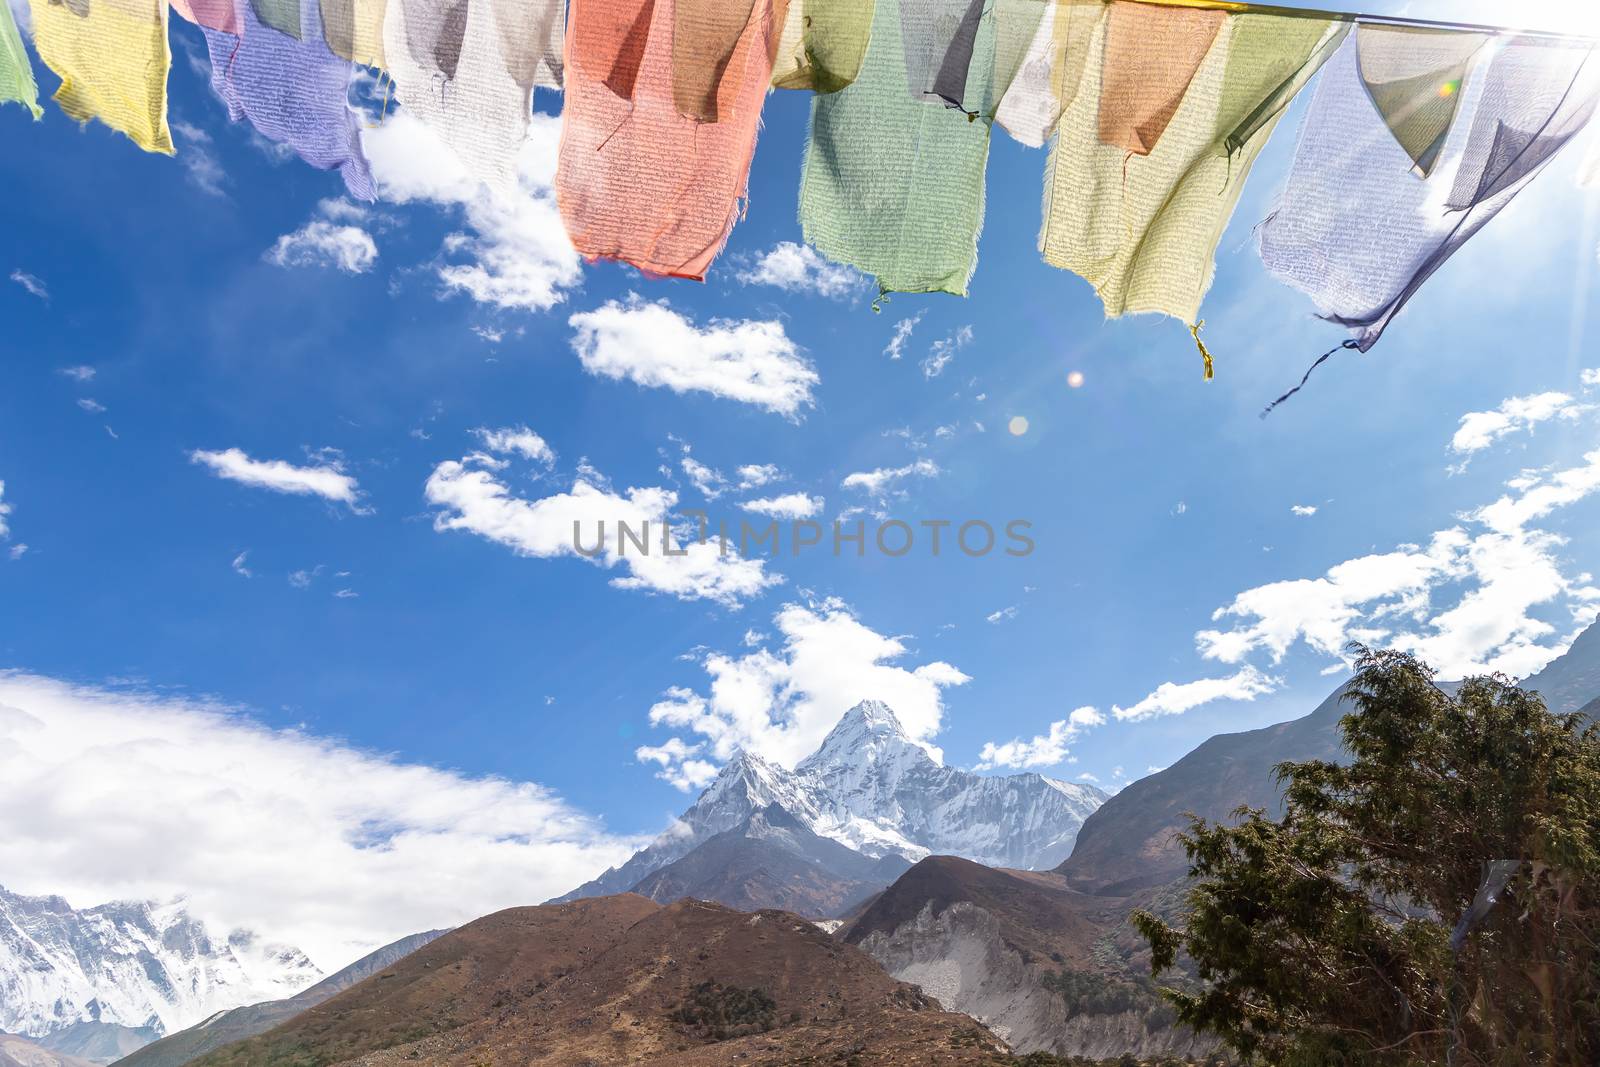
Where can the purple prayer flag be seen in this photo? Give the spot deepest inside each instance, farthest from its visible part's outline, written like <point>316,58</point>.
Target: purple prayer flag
<point>293,92</point>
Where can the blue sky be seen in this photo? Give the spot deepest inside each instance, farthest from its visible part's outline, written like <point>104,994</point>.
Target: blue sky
<point>163,308</point>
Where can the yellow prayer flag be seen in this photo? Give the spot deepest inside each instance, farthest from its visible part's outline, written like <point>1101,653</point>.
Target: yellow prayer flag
<point>112,58</point>
<point>1143,228</point>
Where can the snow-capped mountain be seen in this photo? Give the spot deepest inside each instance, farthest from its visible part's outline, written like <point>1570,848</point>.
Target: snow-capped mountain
<point>872,788</point>
<point>141,966</point>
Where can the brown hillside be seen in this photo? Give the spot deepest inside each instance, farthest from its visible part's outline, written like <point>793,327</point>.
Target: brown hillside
<point>619,980</point>
<point>500,959</point>
<point>1039,917</point>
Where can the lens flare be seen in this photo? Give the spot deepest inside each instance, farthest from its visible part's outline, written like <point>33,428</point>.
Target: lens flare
<point>1075,380</point>
<point>1018,426</point>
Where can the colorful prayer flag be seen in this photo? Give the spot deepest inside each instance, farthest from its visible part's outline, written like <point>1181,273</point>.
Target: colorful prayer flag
<point>470,74</point>
<point>16,76</point>
<point>638,180</point>
<point>893,185</point>
<point>112,58</point>
<point>1359,230</point>
<point>1145,171</point>
<point>293,90</point>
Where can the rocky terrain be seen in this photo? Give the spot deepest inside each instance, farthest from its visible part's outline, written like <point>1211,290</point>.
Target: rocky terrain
<point>621,979</point>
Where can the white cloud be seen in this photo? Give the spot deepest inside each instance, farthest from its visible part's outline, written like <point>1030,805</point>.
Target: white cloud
<point>470,498</point>
<point>902,334</point>
<point>115,795</point>
<point>517,253</point>
<point>789,506</point>
<point>1480,429</point>
<point>708,480</point>
<point>5,513</point>
<point>1305,511</point>
<point>1464,602</point>
<point>1045,750</point>
<point>320,243</point>
<point>755,475</point>
<point>80,374</point>
<point>517,440</point>
<point>341,210</point>
<point>797,268</point>
<point>1171,698</point>
<point>34,285</point>
<point>944,350</point>
<point>240,566</point>
<point>652,345</point>
<point>327,480</point>
<point>1003,615</point>
<point>1591,377</point>
<point>18,550</point>
<point>200,164</point>
<point>679,764</point>
<point>884,481</point>
<point>346,594</point>
<point>91,405</point>
<point>780,703</point>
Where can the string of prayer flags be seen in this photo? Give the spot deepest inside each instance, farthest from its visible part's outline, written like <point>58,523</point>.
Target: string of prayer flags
<point>354,30</point>
<point>893,185</point>
<point>1146,170</point>
<point>16,76</point>
<point>1050,72</point>
<point>638,180</point>
<point>112,58</point>
<point>293,91</point>
<point>1414,77</point>
<point>1359,230</point>
<point>823,44</point>
<point>470,74</point>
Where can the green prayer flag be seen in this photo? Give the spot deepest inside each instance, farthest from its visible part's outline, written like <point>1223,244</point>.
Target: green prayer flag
<point>892,185</point>
<point>16,76</point>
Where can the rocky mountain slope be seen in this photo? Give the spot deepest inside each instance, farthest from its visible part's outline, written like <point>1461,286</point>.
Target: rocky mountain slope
<point>873,789</point>
<point>1046,968</point>
<point>236,1024</point>
<point>1129,842</point>
<point>98,983</point>
<point>772,860</point>
<point>620,979</point>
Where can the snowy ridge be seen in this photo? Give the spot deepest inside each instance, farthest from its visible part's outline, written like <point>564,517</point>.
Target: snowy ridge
<point>132,964</point>
<point>872,788</point>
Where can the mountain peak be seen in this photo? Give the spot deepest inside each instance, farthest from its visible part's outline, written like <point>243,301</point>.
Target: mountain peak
<point>872,715</point>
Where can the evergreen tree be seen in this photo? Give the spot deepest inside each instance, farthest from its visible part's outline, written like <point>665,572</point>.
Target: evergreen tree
<point>1432,901</point>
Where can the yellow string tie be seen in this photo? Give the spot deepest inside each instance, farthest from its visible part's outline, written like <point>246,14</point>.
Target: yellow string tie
<point>1204,354</point>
